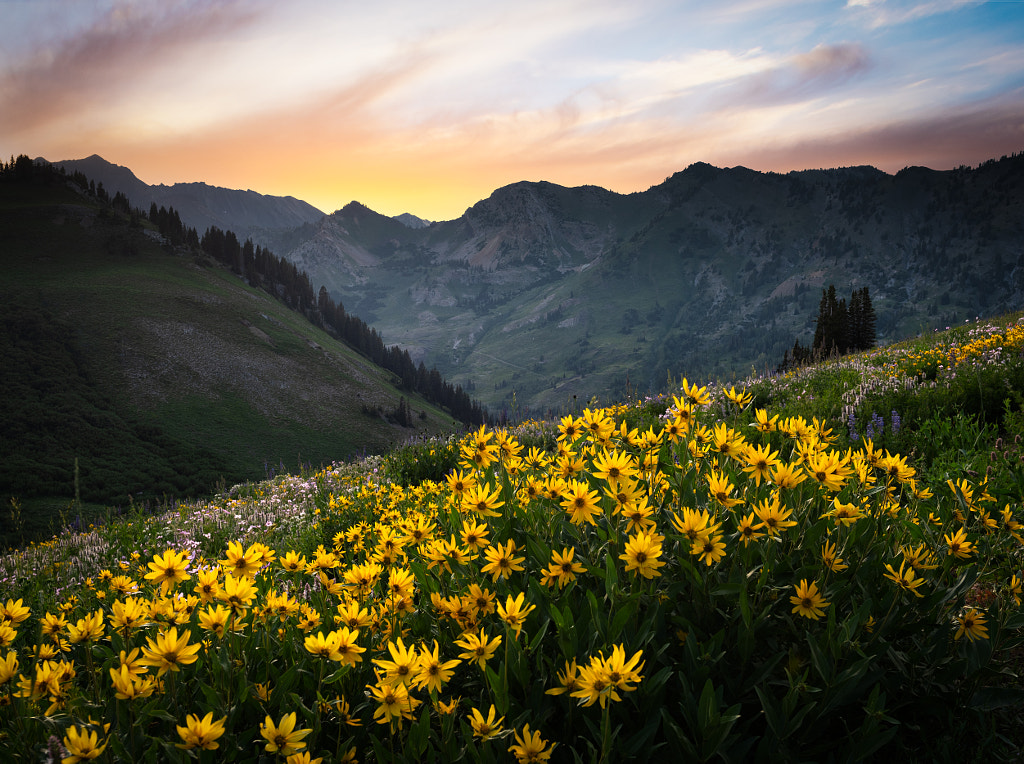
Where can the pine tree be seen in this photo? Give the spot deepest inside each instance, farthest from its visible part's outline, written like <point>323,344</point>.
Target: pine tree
<point>840,329</point>
<point>867,321</point>
<point>855,325</point>
<point>821,324</point>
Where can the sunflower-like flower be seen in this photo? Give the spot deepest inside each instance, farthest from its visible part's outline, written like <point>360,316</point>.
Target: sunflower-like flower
<point>501,560</point>
<point>169,652</point>
<point>971,624</point>
<point>394,702</point>
<point>581,503</point>
<point>514,612</point>
<point>906,579</point>
<point>562,568</point>
<point>83,744</point>
<point>431,672</point>
<point>959,546</point>
<point>168,569</point>
<point>530,747</point>
<point>242,563</point>
<point>808,601</point>
<point>485,728</point>
<point>283,738</point>
<point>201,733</point>
<point>477,648</point>
<point>642,553</point>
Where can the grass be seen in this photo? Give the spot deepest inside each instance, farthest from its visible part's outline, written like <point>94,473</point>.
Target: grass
<point>866,607</point>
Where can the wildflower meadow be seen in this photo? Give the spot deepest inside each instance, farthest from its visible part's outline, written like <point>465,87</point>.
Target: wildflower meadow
<point>751,573</point>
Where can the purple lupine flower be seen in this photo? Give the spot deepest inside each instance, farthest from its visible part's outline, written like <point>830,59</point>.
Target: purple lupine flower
<point>852,425</point>
<point>894,421</point>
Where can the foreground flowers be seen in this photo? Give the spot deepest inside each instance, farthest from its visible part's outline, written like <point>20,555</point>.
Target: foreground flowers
<point>283,738</point>
<point>169,652</point>
<point>971,624</point>
<point>415,617</point>
<point>487,728</point>
<point>82,745</point>
<point>530,747</point>
<point>201,733</point>
<point>808,601</point>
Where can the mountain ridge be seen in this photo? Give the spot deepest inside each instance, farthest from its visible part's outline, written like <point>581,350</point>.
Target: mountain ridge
<point>201,206</point>
<point>541,292</point>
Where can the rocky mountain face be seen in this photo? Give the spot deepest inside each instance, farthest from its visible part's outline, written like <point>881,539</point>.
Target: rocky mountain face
<point>541,296</point>
<point>247,213</point>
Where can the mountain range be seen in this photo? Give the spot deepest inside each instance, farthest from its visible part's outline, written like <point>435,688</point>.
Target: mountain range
<point>201,206</point>
<point>136,371</point>
<point>542,297</point>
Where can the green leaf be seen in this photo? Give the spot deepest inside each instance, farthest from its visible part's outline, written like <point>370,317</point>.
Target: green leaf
<point>822,665</point>
<point>338,675</point>
<point>419,733</point>
<point>499,689</point>
<point>744,602</point>
<point>297,700</point>
<point>773,714</point>
<point>595,615</point>
<point>538,636</point>
<point>993,698</point>
<point>611,575</point>
<point>625,613</point>
<point>556,616</point>
<point>707,706</point>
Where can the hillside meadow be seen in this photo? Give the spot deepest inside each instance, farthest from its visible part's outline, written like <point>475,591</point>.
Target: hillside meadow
<point>824,566</point>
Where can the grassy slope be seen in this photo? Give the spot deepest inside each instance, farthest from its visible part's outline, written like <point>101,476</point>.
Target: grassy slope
<point>161,373</point>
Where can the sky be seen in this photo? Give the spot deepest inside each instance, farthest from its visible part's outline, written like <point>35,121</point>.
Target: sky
<point>428,108</point>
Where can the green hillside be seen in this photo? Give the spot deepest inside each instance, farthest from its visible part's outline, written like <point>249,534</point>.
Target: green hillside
<point>159,372</point>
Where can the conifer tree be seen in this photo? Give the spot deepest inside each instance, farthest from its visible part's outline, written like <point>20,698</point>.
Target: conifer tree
<point>855,325</point>
<point>867,321</point>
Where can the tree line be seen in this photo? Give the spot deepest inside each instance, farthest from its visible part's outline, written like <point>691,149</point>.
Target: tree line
<point>261,268</point>
<point>840,328</point>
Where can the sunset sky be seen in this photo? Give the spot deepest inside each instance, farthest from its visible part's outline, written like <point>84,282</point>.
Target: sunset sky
<point>427,107</point>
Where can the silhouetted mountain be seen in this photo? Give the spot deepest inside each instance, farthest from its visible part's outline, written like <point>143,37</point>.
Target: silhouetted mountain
<point>248,214</point>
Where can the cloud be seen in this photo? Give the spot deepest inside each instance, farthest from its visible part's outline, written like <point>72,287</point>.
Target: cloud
<point>95,68</point>
<point>941,140</point>
<point>879,13</point>
<point>805,76</point>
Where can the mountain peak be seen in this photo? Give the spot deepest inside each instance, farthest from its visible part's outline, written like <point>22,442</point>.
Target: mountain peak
<point>356,208</point>
<point>411,221</point>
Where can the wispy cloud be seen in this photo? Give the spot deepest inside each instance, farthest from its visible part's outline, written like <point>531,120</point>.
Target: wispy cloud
<point>941,139</point>
<point>816,73</point>
<point>96,67</point>
<point>882,13</point>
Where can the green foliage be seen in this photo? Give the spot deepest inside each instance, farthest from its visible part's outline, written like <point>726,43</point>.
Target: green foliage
<point>414,463</point>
